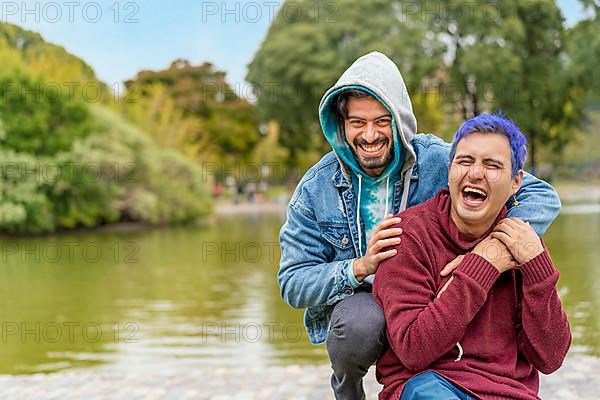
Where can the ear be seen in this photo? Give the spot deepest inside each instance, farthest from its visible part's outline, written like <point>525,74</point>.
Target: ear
<point>516,182</point>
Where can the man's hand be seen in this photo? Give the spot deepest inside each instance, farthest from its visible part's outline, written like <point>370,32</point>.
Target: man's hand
<point>383,236</point>
<point>496,252</point>
<point>520,238</point>
<point>452,265</point>
<point>443,289</point>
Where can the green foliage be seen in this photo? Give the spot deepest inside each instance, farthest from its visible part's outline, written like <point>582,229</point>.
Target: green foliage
<point>37,118</point>
<point>583,50</point>
<point>24,204</point>
<point>510,59</point>
<point>426,106</point>
<point>593,5</point>
<point>157,185</point>
<point>61,71</point>
<point>157,114</point>
<point>115,174</point>
<point>28,50</point>
<point>460,58</point>
<point>67,162</point>
<point>301,57</point>
<point>193,109</point>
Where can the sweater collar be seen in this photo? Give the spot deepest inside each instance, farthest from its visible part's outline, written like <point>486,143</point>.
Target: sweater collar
<point>463,241</point>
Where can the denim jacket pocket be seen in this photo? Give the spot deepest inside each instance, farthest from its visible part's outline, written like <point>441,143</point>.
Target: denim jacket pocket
<point>336,233</point>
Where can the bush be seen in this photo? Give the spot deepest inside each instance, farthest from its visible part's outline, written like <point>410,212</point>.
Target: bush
<point>37,117</point>
<point>89,171</point>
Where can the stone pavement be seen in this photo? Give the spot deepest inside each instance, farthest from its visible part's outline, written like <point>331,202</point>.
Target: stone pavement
<point>578,379</point>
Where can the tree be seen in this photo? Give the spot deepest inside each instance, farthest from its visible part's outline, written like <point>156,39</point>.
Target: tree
<point>310,44</point>
<point>28,51</point>
<point>157,114</point>
<point>37,118</point>
<point>194,109</point>
<point>583,52</point>
<point>67,162</point>
<point>509,56</point>
<point>472,57</point>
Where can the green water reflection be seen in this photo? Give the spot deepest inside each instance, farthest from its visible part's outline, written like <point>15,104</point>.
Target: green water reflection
<point>199,296</point>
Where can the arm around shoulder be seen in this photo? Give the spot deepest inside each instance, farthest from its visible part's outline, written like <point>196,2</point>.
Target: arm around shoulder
<point>539,203</point>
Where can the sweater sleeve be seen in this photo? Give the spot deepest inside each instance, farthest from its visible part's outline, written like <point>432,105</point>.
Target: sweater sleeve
<point>420,327</point>
<point>544,336</point>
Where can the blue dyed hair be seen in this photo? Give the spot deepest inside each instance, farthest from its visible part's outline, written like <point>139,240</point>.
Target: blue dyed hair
<point>495,123</point>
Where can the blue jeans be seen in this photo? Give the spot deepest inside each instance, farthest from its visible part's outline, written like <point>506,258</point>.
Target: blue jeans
<point>432,386</point>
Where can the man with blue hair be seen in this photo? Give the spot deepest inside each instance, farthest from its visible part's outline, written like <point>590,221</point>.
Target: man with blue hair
<point>488,329</point>
<point>337,230</point>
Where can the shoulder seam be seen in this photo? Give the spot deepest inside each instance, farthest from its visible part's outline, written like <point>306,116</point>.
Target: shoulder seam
<point>432,143</point>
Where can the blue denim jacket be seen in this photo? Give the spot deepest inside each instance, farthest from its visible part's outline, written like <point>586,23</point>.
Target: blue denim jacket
<point>319,240</point>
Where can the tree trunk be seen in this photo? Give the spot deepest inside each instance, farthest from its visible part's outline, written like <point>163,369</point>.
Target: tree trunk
<point>293,156</point>
<point>532,159</point>
<point>463,107</point>
<point>475,103</point>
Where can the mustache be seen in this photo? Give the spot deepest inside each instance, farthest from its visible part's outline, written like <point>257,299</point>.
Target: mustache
<point>361,141</point>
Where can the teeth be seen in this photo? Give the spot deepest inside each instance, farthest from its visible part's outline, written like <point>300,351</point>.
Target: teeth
<point>474,190</point>
<point>372,148</point>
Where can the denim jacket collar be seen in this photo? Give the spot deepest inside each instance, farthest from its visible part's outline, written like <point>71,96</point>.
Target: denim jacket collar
<point>339,179</point>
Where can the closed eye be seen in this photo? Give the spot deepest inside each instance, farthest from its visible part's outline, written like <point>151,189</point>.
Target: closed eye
<point>383,122</point>
<point>464,160</point>
<point>493,164</point>
<point>356,122</point>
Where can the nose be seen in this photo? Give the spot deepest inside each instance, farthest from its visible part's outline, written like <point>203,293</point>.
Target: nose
<point>476,172</point>
<point>370,133</point>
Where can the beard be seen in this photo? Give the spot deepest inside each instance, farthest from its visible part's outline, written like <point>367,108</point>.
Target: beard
<point>378,162</point>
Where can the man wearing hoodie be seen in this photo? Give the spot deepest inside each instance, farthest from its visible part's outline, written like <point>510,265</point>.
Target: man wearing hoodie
<point>336,232</point>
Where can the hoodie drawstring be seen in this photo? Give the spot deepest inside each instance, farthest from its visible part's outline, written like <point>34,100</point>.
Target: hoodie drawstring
<point>358,215</point>
<point>407,177</point>
<point>387,193</point>
<point>460,352</point>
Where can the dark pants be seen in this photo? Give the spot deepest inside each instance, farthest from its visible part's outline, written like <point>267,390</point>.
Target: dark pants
<point>432,386</point>
<point>355,342</point>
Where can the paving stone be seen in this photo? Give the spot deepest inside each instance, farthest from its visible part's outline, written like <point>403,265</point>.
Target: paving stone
<point>577,379</point>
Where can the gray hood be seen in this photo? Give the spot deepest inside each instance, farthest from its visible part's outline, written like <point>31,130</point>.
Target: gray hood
<point>380,77</point>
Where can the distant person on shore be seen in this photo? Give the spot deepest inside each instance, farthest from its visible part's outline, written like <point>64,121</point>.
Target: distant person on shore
<point>217,189</point>
<point>239,192</point>
<point>337,229</point>
<point>487,330</point>
<point>251,191</point>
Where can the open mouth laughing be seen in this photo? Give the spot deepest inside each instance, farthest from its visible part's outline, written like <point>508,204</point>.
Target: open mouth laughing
<point>473,197</point>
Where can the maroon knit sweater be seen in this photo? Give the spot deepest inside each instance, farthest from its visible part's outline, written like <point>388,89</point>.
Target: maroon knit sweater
<point>510,325</point>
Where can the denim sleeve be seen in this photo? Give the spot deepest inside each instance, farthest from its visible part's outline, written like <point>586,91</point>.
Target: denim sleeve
<point>539,203</point>
<point>305,277</point>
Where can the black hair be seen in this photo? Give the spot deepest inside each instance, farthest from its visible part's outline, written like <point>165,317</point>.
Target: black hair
<point>340,102</point>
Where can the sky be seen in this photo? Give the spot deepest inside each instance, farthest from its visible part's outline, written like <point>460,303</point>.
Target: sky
<point>119,38</point>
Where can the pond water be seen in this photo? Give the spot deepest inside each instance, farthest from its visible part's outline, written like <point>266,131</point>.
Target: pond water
<point>202,296</point>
